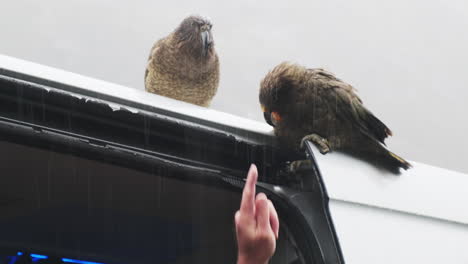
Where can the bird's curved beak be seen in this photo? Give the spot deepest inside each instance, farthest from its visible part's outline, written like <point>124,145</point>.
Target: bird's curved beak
<point>267,116</point>
<point>206,41</point>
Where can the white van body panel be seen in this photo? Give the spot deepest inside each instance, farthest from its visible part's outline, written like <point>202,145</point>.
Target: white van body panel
<point>376,235</point>
<point>420,216</point>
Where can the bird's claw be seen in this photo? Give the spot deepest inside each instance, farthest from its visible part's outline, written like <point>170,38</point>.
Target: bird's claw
<point>320,142</point>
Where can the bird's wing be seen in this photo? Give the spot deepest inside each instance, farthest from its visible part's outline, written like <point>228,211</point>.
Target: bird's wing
<point>349,106</point>
<point>152,53</point>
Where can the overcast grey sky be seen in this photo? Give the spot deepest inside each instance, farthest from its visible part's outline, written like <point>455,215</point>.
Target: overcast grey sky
<point>408,59</point>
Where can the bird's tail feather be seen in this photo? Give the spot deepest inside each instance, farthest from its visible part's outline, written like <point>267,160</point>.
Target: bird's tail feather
<point>371,123</point>
<point>378,127</point>
<point>377,153</point>
<point>398,161</point>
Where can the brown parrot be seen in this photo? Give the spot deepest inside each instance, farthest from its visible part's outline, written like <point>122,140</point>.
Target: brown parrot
<point>184,65</point>
<point>312,104</point>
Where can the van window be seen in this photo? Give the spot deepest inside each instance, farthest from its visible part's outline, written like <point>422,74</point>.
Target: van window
<point>58,204</point>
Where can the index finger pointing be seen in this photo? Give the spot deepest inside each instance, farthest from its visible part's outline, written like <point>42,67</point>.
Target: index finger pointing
<point>248,195</point>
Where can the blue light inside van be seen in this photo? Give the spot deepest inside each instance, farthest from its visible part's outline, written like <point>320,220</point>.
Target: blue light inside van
<point>38,256</point>
<point>79,261</point>
<point>67,260</point>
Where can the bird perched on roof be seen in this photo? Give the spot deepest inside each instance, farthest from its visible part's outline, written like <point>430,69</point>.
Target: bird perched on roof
<point>184,65</point>
<point>312,104</point>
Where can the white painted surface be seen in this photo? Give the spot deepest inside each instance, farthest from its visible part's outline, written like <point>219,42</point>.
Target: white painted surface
<point>423,189</point>
<point>369,235</point>
<point>420,216</point>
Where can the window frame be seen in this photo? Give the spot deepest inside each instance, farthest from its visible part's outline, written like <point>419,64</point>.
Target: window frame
<point>23,98</point>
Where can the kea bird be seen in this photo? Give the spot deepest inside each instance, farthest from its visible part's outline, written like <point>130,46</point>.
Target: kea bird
<point>184,65</point>
<point>312,104</point>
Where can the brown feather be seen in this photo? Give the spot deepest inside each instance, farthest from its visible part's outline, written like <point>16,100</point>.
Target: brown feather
<point>314,101</point>
<point>177,67</point>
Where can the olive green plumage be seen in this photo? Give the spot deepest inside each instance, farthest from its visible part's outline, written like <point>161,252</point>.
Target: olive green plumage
<point>314,104</point>
<point>184,65</point>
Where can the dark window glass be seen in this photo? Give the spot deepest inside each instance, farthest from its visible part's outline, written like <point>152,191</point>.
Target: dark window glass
<point>63,205</point>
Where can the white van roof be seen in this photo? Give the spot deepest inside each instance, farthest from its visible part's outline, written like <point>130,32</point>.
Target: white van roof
<point>155,102</point>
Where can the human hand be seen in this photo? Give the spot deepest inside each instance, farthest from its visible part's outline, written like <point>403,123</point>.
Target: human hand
<point>257,224</point>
